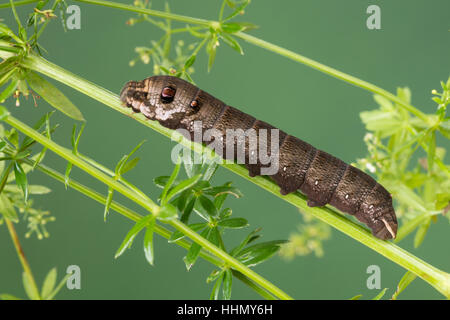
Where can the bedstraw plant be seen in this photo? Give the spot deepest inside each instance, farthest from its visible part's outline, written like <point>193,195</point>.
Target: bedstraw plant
<point>403,154</point>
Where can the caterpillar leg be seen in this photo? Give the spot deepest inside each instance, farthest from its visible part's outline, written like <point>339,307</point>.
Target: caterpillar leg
<point>312,203</point>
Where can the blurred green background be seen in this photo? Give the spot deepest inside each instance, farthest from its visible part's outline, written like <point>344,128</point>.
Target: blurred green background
<point>411,49</point>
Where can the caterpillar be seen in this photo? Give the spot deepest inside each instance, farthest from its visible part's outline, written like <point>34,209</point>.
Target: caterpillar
<point>321,177</point>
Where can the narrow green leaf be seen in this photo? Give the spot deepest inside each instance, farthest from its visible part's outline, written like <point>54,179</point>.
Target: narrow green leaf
<point>250,237</point>
<point>405,281</point>
<point>161,181</point>
<point>206,206</point>
<point>260,252</point>
<point>76,137</point>
<point>127,242</point>
<point>123,165</point>
<point>49,283</point>
<point>129,165</point>
<point>60,285</point>
<point>188,77</point>
<point>233,43</point>
<point>22,87</point>
<point>148,241</point>
<point>27,141</point>
<point>36,189</point>
<point>166,71</point>
<point>195,33</point>
<point>437,100</point>
<point>202,186</point>
<point>178,235</point>
<point>6,296</point>
<point>4,30</point>
<point>194,251</point>
<point>4,113</point>
<point>13,137</point>
<point>67,174</point>
<point>431,152</point>
<point>53,96</point>
<point>211,168</point>
<point>171,180</point>
<point>233,223</point>
<point>182,186</point>
<point>48,131</point>
<point>109,198</point>
<point>6,76</point>
<point>214,275</point>
<point>216,289</point>
<point>188,166</point>
<point>9,90</point>
<point>211,50</point>
<point>442,200</point>
<point>188,210</point>
<point>189,62</point>
<point>225,213</point>
<point>380,295</point>
<point>21,179</point>
<point>182,200</point>
<point>40,157</point>
<point>238,10</point>
<point>227,282</point>
<point>357,297</point>
<point>215,238</point>
<point>29,288</point>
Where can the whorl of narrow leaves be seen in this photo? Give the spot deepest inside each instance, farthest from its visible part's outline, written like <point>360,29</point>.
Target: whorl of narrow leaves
<point>396,137</point>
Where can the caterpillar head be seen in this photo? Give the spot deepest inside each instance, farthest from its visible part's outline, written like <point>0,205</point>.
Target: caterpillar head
<point>166,99</point>
<point>380,212</point>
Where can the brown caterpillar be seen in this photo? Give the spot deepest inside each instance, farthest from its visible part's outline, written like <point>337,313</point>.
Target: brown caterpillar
<point>177,104</point>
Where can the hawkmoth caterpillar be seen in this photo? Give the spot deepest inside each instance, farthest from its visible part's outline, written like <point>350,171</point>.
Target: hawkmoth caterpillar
<point>323,178</point>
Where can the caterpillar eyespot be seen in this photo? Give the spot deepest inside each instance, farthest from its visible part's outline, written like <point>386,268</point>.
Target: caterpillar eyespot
<point>194,104</point>
<point>323,178</point>
<point>168,94</point>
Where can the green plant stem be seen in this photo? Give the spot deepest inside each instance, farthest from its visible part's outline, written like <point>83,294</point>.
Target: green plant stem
<point>437,278</point>
<point>150,12</point>
<point>252,285</point>
<point>17,3</point>
<point>130,214</point>
<point>23,260</point>
<point>147,204</point>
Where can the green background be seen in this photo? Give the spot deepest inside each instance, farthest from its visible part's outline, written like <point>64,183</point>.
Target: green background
<point>412,49</point>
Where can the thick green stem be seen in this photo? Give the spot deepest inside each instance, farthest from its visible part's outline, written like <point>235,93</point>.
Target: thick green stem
<point>145,203</point>
<point>439,279</point>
